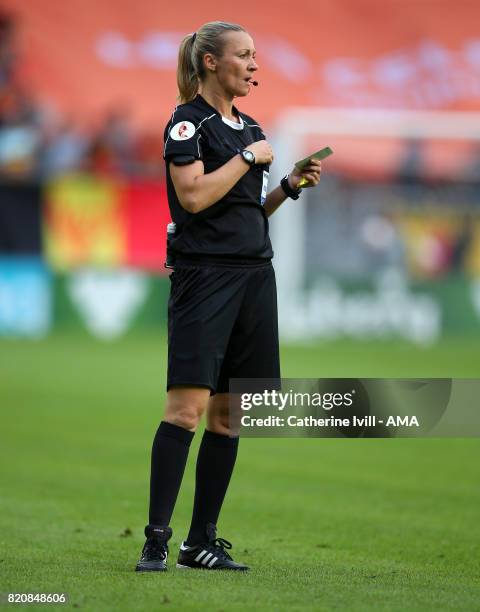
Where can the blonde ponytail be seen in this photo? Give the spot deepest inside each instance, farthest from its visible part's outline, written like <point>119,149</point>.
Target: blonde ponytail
<point>187,79</point>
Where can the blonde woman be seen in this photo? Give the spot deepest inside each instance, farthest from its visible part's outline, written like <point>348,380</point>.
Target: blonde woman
<point>222,307</point>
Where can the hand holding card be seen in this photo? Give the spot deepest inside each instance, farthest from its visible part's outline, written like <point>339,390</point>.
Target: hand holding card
<point>300,165</point>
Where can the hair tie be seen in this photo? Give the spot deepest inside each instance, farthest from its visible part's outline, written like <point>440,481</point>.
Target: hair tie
<point>194,37</point>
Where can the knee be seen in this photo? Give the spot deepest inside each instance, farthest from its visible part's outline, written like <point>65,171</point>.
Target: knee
<point>187,418</point>
<point>218,420</point>
<point>220,427</point>
<point>185,411</point>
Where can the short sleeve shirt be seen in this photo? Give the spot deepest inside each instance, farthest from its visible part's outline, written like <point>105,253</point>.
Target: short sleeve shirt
<point>236,225</point>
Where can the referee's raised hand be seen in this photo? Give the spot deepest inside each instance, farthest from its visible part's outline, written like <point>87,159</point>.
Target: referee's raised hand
<point>262,150</point>
<point>311,173</point>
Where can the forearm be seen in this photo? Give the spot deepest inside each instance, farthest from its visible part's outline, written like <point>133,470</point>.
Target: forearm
<point>273,200</point>
<point>209,188</point>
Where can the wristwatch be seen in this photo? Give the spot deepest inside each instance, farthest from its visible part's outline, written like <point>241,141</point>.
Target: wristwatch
<point>248,156</point>
<point>289,192</point>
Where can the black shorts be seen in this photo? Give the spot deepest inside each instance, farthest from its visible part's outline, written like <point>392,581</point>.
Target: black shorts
<point>222,324</point>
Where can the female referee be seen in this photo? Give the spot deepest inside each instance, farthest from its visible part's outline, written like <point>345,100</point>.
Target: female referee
<point>222,312</point>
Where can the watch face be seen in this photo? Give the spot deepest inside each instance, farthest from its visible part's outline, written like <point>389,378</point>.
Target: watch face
<point>248,156</point>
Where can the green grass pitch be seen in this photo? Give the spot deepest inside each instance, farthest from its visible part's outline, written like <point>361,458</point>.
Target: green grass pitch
<point>325,524</point>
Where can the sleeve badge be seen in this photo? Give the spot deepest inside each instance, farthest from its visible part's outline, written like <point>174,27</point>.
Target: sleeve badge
<point>183,130</point>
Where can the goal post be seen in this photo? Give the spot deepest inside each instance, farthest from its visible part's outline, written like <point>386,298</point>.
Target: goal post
<point>290,224</point>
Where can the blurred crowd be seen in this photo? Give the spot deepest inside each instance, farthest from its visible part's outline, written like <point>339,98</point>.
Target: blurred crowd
<point>37,142</point>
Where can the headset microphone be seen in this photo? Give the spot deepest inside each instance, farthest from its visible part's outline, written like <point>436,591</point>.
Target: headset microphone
<point>255,83</point>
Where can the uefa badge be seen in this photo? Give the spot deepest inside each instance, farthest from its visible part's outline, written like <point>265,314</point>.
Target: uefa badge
<point>183,130</point>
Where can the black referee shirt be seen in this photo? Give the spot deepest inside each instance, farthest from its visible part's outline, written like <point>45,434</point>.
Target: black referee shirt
<point>236,225</point>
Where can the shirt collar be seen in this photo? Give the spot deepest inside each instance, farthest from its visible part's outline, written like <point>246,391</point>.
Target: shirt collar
<point>201,100</point>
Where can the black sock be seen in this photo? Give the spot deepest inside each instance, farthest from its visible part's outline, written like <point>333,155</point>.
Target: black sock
<point>216,458</point>
<point>169,457</point>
